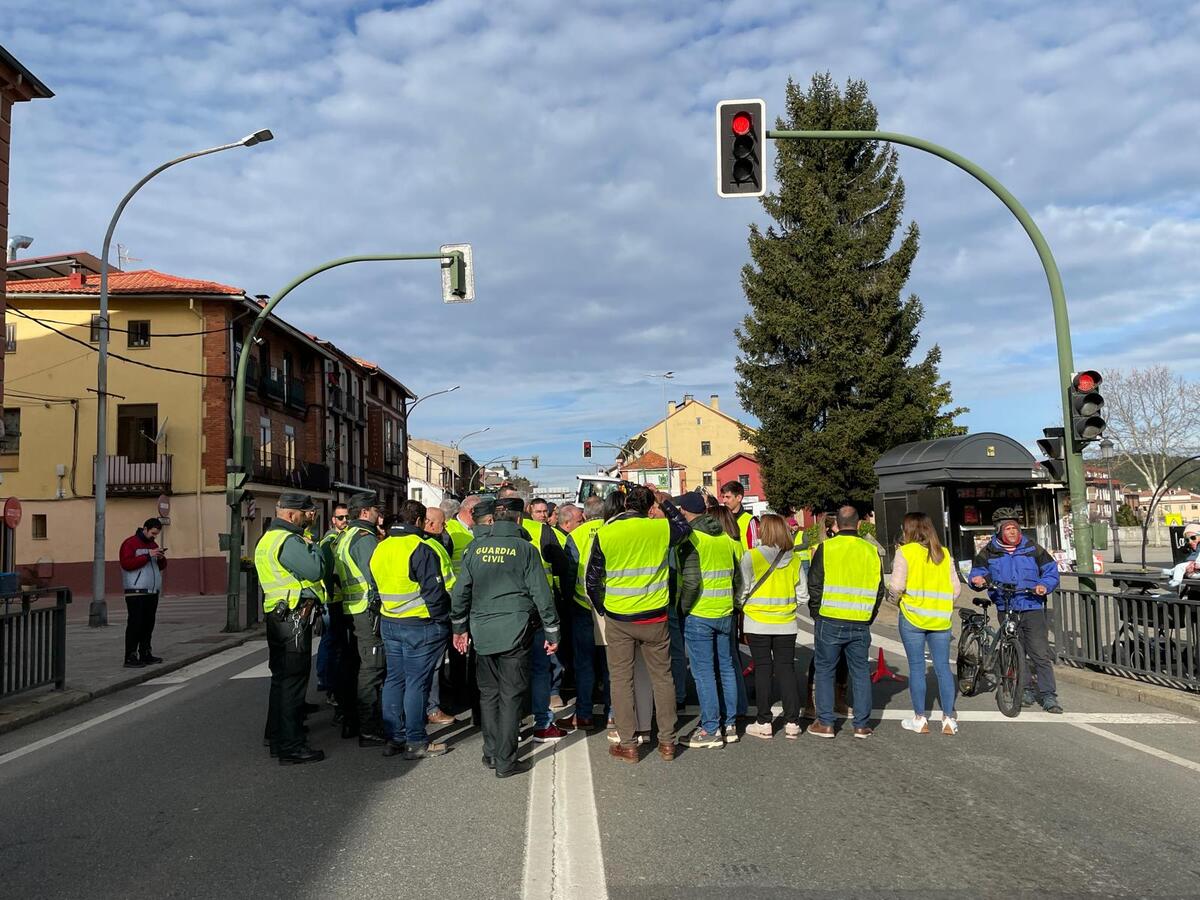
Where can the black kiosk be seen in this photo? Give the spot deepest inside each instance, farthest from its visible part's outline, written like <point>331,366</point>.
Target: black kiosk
<point>959,482</point>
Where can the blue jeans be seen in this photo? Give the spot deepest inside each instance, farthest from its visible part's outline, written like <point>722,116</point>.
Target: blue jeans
<point>588,664</point>
<point>833,638</point>
<point>678,657</point>
<point>914,640</point>
<point>708,643</point>
<point>414,647</point>
<point>540,676</point>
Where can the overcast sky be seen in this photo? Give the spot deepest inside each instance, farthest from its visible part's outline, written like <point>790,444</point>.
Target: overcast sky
<point>572,145</point>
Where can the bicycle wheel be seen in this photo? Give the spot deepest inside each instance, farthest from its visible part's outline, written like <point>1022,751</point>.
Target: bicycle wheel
<point>1010,677</point>
<point>970,660</point>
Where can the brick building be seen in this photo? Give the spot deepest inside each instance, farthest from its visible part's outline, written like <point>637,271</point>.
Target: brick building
<point>387,436</point>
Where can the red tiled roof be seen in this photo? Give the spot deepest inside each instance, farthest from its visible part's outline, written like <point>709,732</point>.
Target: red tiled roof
<point>144,281</point>
<point>366,364</point>
<point>651,460</point>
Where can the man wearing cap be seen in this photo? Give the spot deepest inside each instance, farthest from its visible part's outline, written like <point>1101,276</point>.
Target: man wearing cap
<point>290,571</point>
<point>501,584</point>
<point>360,607</point>
<point>329,651</point>
<point>434,528</point>
<point>1011,558</point>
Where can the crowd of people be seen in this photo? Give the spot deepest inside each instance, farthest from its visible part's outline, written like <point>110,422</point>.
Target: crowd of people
<point>507,606</point>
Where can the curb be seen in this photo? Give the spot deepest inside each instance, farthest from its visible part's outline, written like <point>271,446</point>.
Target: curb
<point>1180,702</point>
<point>59,701</point>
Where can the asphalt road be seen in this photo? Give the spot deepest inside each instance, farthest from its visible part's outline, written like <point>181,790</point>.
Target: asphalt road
<point>164,790</point>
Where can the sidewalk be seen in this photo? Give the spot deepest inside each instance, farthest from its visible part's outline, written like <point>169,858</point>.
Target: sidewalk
<point>187,629</point>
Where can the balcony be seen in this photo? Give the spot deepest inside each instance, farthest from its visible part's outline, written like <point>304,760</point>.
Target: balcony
<point>335,399</point>
<point>273,388</point>
<point>252,373</point>
<point>393,455</point>
<point>278,468</point>
<point>351,407</point>
<point>134,479</point>
<point>295,394</point>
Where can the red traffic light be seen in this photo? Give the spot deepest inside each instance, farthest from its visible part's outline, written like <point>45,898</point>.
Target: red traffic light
<point>741,123</point>
<point>1086,382</point>
<point>587,449</point>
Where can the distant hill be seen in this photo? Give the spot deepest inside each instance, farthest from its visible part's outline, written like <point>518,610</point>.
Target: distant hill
<point>1188,477</point>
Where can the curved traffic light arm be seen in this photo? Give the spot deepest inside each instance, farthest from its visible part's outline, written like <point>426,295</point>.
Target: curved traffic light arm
<point>1062,329</point>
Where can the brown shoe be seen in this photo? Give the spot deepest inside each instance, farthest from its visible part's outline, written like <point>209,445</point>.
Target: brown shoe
<point>623,753</point>
<point>666,749</point>
<point>439,718</point>
<point>863,733</point>
<point>821,730</point>
<point>570,723</point>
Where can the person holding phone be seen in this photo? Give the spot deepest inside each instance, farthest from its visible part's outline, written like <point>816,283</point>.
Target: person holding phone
<point>142,565</point>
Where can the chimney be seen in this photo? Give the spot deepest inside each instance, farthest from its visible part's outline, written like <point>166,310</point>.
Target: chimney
<point>76,280</point>
<point>670,407</point>
<point>688,398</point>
<point>715,402</point>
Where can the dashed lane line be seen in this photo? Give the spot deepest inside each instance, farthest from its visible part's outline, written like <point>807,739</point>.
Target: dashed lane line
<point>1138,745</point>
<point>210,664</point>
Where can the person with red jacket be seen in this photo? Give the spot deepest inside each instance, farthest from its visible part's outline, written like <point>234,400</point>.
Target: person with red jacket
<point>142,563</point>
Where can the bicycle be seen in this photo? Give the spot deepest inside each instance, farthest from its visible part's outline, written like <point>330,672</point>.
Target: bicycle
<point>994,655</point>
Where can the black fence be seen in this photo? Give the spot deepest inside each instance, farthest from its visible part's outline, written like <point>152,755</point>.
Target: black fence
<point>1134,626</point>
<point>33,641</point>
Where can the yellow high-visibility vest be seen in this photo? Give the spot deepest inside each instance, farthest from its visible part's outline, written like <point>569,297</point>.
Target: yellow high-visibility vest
<point>535,535</point>
<point>582,538</point>
<point>774,603</point>
<point>277,583</point>
<point>927,601</point>
<point>636,577</point>
<point>448,575</point>
<point>743,522</point>
<point>352,583</point>
<point>460,535</point>
<point>718,555</point>
<point>852,576</point>
<point>399,595</point>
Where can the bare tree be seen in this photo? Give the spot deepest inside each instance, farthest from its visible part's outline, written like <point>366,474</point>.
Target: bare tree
<point>1153,418</point>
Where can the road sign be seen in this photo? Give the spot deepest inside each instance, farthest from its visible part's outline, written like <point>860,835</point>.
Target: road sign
<point>164,505</point>
<point>12,512</point>
<point>458,274</point>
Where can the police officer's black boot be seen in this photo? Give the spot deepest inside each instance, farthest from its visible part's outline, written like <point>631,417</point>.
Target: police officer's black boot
<point>301,755</point>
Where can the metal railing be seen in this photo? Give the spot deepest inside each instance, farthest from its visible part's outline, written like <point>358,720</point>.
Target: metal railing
<point>33,641</point>
<point>1133,626</point>
<point>295,393</point>
<point>126,476</point>
<point>279,468</point>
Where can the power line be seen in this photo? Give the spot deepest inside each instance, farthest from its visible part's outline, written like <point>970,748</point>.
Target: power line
<point>116,355</point>
<point>164,334</point>
<point>47,369</point>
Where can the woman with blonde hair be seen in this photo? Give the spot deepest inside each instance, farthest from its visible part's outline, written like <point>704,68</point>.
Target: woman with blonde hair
<point>925,583</point>
<point>775,588</point>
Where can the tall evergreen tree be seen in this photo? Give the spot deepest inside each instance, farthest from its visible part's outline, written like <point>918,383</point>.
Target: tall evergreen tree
<point>825,351</point>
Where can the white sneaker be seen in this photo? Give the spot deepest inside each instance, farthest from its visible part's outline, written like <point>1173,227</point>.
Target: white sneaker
<point>760,730</point>
<point>949,726</point>
<point>791,731</point>
<point>731,735</point>
<point>919,724</point>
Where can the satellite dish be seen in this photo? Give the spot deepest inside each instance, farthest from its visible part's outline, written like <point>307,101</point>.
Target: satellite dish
<point>161,437</point>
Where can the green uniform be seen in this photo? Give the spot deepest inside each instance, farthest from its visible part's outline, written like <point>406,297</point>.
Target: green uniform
<point>364,648</point>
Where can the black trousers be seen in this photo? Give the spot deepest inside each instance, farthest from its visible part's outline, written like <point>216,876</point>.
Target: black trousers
<point>366,668</point>
<point>140,625</point>
<point>775,656</point>
<point>289,661</point>
<point>1034,635</point>
<point>503,682</point>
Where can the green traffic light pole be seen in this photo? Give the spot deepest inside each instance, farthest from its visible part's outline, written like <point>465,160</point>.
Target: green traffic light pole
<point>237,470</point>
<point>1062,328</point>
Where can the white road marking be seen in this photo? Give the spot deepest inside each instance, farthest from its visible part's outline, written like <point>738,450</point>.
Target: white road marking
<point>209,664</point>
<point>1145,748</point>
<point>263,670</point>
<point>84,726</point>
<point>563,856</point>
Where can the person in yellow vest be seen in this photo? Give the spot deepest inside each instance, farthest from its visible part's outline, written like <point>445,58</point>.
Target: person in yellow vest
<point>290,572</point>
<point>845,587</point>
<point>732,494</point>
<point>329,650</point>
<point>441,544</point>
<point>710,577</point>
<point>458,529</point>
<point>924,582</point>
<point>581,526</point>
<point>460,670</point>
<point>360,599</point>
<point>774,589</point>
<point>627,582</point>
<point>415,625</point>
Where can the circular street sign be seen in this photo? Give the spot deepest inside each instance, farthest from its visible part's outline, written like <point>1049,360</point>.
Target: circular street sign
<point>12,512</point>
<point>164,505</point>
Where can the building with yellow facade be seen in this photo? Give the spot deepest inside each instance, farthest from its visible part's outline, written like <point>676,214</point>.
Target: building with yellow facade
<point>695,435</point>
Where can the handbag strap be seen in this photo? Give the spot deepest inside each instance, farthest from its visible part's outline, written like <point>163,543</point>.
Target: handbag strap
<point>765,575</point>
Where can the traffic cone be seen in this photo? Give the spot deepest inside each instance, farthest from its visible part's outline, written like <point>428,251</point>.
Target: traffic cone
<point>883,673</point>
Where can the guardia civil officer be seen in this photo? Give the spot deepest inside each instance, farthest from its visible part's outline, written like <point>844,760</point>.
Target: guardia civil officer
<point>290,570</point>
<point>360,615</point>
<point>501,584</point>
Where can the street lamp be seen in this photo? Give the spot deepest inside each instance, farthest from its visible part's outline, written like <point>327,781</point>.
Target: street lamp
<point>1106,452</point>
<point>449,390</point>
<point>665,376</point>
<point>98,612</point>
<point>455,444</point>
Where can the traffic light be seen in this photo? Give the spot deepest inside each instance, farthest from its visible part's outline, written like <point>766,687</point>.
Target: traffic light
<point>587,449</point>
<point>1054,447</point>
<point>533,459</point>
<point>458,274</point>
<point>515,462</point>
<point>741,148</point>
<point>1087,424</point>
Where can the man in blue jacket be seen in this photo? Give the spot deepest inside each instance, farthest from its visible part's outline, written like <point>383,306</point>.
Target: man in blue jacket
<point>1011,558</point>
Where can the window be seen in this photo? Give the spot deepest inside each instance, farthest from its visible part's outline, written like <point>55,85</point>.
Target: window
<point>264,440</point>
<point>94,332</point>
<point>416,493</point>
<point>139,333</point>
<point>698,422</point>
<point>428,469</point>
<point>744,481</point>
<point>11,442</point>
<point>10,337</point>
<point>137,427</point>
<point>289,446</point>
<point>39,526</point>
<point>706,448</point>
<point>708,479</point>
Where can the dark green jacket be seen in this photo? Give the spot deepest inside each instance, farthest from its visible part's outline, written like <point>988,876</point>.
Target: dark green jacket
<point>364,538</point>
<point>501,585</point>
<point>690,583</point>
<point>301,558</point>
